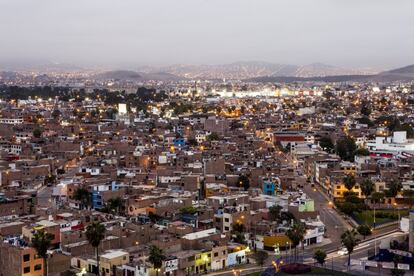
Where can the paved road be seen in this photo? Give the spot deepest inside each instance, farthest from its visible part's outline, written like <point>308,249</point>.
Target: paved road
<point>44,195</point>
<point>335,224</point>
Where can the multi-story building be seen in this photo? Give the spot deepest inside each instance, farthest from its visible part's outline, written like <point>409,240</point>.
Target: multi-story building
<point>18,259</point>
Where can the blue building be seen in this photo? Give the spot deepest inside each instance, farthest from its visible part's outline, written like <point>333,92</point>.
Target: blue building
<point>179,142</point>
<point>271,186</point>
<point>97,192</point>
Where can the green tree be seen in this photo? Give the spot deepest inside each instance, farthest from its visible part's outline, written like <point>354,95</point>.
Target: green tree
<point>113,206</point>
<point>364,230</point>
<point>367,187</point>
<point>377,197</point>
<point>239,238</point>
<point>362,152</point>
<point>261,257</point>
<point>349,182</point>
<point>365,120</point>
<point>320,256</point>
<point>296,235</point>
<point>83,196</point>
<point>41,242</point>
<point>349,240</point>
<point>238,227</point>
<point>156,257</point>
<point>326,143</point>
<point>188,210</point>
<point>345,148</point>
<point>274,212</point>
<point>37,133</point>
<point>394,187</point>
<point>244,182</point>
<point>348,208</point>
<point>95,233</point>
<point>365,109</point>
<point>56,114</point>
<point>50,179</point>
<point>213,137</point>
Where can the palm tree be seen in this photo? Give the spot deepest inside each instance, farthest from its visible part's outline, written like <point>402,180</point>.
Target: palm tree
<point>296,235</point>
<point>349,240</point>
<point>41,241</point>
<point>349,182</point>
<point>367,187</point>
<point>95,233</point>
<point>156,257</point>
<point>82,194</point>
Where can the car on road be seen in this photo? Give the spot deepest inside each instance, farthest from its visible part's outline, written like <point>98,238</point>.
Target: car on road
<point>343,252</point>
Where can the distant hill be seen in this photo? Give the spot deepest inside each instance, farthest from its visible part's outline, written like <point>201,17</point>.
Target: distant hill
<point>127,75</point>
<point>254,69</point>
<point>403,70</point>
<point>400,74</point>
<point>122,75</point>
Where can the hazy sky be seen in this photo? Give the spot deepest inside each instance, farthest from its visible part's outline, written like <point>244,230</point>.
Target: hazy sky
<point>128,33</point>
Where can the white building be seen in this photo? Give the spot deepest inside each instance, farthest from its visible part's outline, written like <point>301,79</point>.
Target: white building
<point>396,144</point>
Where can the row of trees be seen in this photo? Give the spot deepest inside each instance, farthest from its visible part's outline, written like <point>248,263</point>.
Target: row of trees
<point>95,233</point>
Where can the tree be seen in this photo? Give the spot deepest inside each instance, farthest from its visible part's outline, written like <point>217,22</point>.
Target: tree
<point>349,240</point>
<point>349,182</point>
<point>365,120</point>
<point>364,230</point>
<point>320,256</point>
<point>296,235</point>
<point>41,242</point>
<point>348,208</point>
<point>56,114</point>
<point>156,257</point>
<point>377,197</point>
<point>409,197</point>
<point>326,143</point>
<point>345,148</point>
<point>37,133</point>
<point>274,212</point>
<point>238,227</point>
<point>394,187</point>
<point>113,206</point>
<point>95,233</point>
<point>362,152</point>
<point>261,257</point>
<point>287,216</point>
<point>188,210</point>
<point>244,182</point>
<point>367,187</point>
<point>213,137</point>
<point>82,194</point>
<point>365,109</point>
<point>50,179</point>
<point>239,238</point>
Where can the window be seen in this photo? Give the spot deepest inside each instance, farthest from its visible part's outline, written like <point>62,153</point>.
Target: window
<point>26,257</point>
<point>26,269</point>
<point>38,267</point>
<point>226,220</point>
<point>226,228</point>
<point>215,254</point>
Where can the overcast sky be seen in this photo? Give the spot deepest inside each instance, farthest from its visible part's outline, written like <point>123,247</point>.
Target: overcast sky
<point>128,33</point>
